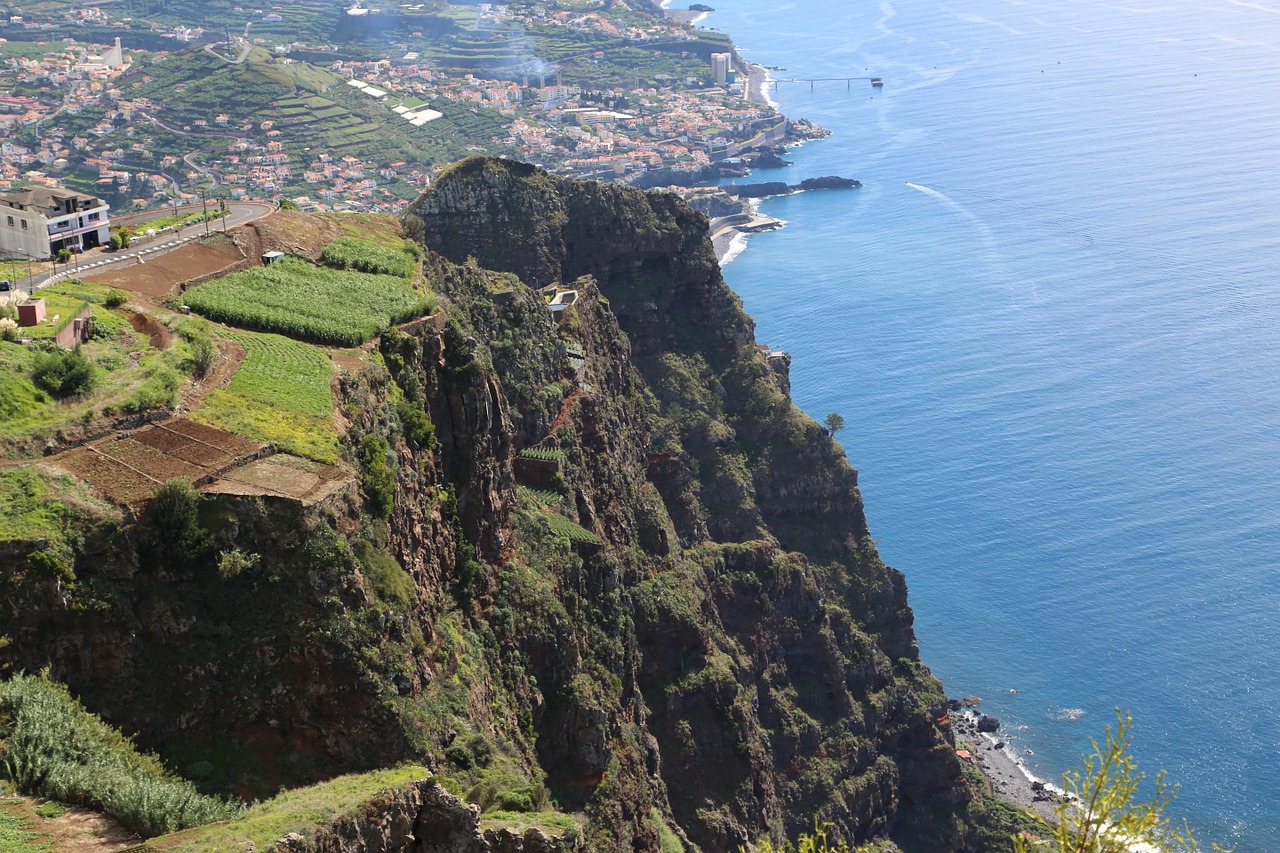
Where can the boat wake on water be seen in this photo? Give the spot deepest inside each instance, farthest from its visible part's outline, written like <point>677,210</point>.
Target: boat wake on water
<point>989,242</point>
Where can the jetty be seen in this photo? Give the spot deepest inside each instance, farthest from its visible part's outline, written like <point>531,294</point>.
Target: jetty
<point>812,81</point>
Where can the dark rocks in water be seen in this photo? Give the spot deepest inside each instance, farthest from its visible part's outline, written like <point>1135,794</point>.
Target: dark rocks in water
<point>766,158</point>
<point>999,745</point>
<point>768,188</point>
<point>988,724</point>
<point>830,182</point>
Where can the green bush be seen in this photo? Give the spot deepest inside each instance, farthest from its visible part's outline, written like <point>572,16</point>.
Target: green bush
<point>377,476</point>
<point>64,374</point>
<point>53,748</point>
<point>417,426</point>
<point>391,584</point>
<point>159,391</point>
<point>116,297</point>
<point>175,514</point>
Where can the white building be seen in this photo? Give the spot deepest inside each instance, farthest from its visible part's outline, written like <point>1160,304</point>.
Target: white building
<point>37,222</point>
<point>721,65</point>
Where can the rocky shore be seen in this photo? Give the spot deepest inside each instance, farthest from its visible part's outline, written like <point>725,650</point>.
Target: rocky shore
<point>979,735</point>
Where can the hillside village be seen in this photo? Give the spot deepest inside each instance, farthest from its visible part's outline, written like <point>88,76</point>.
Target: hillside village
<point>265,117</point>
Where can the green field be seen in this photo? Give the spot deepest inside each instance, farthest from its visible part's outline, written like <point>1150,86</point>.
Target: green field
<point>325,306</point>
<point>280,394</point>
<point>361,255</point>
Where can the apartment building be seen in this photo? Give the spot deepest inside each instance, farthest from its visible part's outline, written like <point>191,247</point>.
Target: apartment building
<point>37,222</point>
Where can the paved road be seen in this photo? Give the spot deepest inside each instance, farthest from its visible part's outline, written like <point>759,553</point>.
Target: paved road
<point>99,259</point>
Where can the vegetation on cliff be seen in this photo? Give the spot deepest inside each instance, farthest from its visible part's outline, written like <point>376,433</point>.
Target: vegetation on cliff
<point>591,559</point>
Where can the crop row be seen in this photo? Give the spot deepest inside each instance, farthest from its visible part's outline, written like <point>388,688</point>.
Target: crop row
<point>281,394</point>
<point>571,529</point>
<point>295,298</point>
<point>540,497</point>
<point>284,373</point>
<point>365,256</point>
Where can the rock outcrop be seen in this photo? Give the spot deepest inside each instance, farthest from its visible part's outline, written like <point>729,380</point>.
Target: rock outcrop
<point>423,818</point>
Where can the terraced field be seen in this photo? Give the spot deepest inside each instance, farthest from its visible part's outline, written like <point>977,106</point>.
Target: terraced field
<point>130,469</point>
<point>281,394</point>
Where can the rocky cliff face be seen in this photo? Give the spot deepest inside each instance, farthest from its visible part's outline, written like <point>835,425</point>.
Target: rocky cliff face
<point>615,568</point>
<point>771,667</point>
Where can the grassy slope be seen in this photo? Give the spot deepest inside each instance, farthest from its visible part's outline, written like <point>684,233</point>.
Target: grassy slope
<point>35,506</point>
<point>123,383</point>
<point>299,810</point>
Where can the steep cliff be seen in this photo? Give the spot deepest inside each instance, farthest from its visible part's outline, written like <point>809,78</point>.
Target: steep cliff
<point>770,662</point>
<point>595,558</point>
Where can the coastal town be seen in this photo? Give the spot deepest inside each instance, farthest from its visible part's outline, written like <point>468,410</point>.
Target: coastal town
<point>135,117</point>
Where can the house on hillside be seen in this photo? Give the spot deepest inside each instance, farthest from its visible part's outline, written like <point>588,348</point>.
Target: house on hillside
<point>39,221</point>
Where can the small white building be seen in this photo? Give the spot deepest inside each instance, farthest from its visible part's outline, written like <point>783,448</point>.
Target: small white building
<point>37,222</point>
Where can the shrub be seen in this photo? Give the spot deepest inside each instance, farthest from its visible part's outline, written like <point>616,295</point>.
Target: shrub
<point>64,374</point>
<point>417,426</point>
<point>232,564</point>
<point>116,297</point>
<point>378,478</point>
<point>159,391</point>
<point>391,583</point>
<point>204,354</point>
<point>175,513</point>
<point>54,748</point>
<point>9,329</point>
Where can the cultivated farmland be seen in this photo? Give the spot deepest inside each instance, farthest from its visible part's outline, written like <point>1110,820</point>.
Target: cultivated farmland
<point>325,306</point>
<point>353,253</point>
<point>280,394</point>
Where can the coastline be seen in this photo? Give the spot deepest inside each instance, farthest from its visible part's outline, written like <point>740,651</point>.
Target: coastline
<point>730,240</point>
<point>1008,778</point>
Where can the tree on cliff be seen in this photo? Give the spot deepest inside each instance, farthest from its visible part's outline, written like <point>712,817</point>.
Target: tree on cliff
<point>834,423</point>
<point>1101,812</point>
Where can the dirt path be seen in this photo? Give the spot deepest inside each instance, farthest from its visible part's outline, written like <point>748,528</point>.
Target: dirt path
<point>83,831</point>
<point>230,361</point>
<point>76,830</point>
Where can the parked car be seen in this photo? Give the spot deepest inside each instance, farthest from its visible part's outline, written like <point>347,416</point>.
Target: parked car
<point>6,286</point>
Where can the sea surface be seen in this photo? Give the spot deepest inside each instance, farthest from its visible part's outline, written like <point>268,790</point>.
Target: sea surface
<point>1051,321</point>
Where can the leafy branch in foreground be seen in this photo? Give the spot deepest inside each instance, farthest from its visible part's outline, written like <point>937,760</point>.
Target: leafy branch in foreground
<point>1101,812</point>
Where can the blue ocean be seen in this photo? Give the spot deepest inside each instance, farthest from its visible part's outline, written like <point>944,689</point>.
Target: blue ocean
<point>1051,321</point>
